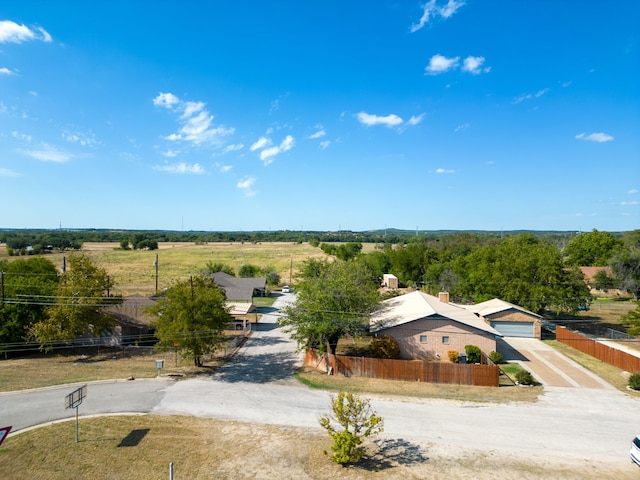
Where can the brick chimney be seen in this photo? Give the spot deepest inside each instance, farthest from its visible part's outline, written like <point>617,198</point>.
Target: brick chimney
<point>443,297</point>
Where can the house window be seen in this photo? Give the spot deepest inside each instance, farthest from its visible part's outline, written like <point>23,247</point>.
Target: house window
<point>445,340</point>
<point>423,339</point>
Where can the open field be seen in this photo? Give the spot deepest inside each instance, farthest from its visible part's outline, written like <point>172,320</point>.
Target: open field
<point>141,447</point>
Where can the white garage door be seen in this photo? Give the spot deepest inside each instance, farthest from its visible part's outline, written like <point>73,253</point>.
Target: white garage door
<point>515,329</point>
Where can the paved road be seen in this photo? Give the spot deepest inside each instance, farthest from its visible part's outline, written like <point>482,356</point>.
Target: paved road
<point>590,424</point>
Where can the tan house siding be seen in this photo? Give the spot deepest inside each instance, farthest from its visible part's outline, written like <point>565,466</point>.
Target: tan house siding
<point>409,336</point>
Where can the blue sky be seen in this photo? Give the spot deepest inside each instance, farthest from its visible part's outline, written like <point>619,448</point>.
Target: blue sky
<point>352,115</point>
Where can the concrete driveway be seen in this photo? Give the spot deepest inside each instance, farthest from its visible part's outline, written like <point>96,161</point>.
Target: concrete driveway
<point>550,368</point>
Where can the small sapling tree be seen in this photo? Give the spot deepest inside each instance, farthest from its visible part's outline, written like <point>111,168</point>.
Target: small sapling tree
<point>352,421</point>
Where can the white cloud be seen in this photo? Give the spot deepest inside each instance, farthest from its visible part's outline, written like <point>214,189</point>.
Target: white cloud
<point>260,143</point>
<point>634,203</point>
<point>598,137</point>
<point>6,71</point>
<point>11,32</point>
<point>367,119</point>
<point>440,64</point>
<point>415,119</point>
<point>432,10</point>
<point>529,96</point>
<point>324,145</point>
<point>21,136</point>
<point>5,172</point>
<point>566,84</point>
<point>181,168</point>
<point>170,154</point>
<point>473,65</point>
<point>167,100</point>
<point>444,170</point>
<point>233,148</point>
<point>246,184</point>
<point>223,168</point>
<point>267,154</point>
<point>633,192</point>
<point>86,139</point>
<point>459,128</point>
<point>48,154</point>
<point>319,134</point>
<point>196,119</point>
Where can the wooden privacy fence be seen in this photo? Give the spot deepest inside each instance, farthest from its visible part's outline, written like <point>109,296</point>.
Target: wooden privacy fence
<point>610,355</point>
<point>408,370</point>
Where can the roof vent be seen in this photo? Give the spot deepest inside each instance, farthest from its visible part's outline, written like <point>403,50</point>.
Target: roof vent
<point>443,297</point>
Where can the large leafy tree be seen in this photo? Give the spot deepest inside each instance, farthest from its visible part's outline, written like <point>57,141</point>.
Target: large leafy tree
<point>333,299</point>
<point>27,285</point>
<point>523,270</point>
<point>592,248</point>
<point>632,320</point>
<point>82,291</point>
<point>192,316</point>
<point>626,268</point>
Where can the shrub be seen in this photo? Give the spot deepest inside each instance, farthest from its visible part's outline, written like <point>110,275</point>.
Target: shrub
<point>473,353</point>
<point>495,357</point>
<point>634,381</point>
<point>524,377</point>
<point>352,421</point>
<point>453,356</point>
<point>384,346</point>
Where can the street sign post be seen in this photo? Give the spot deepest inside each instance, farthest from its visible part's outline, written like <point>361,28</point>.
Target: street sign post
<point>74,400</point>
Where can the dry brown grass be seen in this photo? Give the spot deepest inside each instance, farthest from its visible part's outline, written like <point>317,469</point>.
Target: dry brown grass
<point>141,447</point>
<point>133,271</point>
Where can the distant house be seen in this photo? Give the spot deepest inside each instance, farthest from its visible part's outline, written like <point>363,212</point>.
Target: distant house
<point>389,280</point>
<point>428,327</point>
<point>508,319</point>
<point>243,313</point>
<point>241,289</point>
<point>132,323</point>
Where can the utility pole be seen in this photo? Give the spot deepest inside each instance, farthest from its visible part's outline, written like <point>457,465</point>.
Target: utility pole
<point>156,265</point>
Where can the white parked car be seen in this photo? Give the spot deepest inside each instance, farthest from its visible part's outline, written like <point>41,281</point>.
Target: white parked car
<point>634,453</point>
<point>286,289</point>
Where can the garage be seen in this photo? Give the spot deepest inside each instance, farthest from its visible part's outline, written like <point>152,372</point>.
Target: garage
<point>515,329</point>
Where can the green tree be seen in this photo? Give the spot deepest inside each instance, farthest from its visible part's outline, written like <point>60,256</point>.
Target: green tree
<point>602,280</point>
<point>632,320</point>
<point>336,299</point>
<point>349,250</point>
<point>592,249</point>
<point>523,270</point>
<point>191,315</point>
<point>271,275</point>
<point>27,286</point>
<point>213,267</point>
<point>351,422</point>
<point>626,268</point>
<point>249,271</point>
<point>82,291</point>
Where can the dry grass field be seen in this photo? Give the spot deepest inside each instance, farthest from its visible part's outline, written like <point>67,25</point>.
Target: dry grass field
<point>134,272</point>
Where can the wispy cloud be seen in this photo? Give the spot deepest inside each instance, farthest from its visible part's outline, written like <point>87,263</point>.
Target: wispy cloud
<point>246,185</point>
<point>181,168</point>
<point>319,134</point>
<point>223,168</point>
<point>633,203</point>
<point>47,153</point>
<point>415,119</point>
<point>444,170</point>
<point>5,172</point>
<point>369,120</point>
<point>233,148</point>
<point>432,10</point>
<point>170,154</point>
<point>85,139</point>
<point>260,143</point>
<point>6,71</point>
<point>529,96</point>
<point>267,154</point>
<point>633,191</point>
<point>473,65</point>
<point>598,137</point>
<point>21,136</point>
<point>325,144</point>
<point>196,121</point>
<point>11,32</point>
<point>459,128</point>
